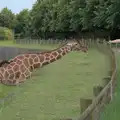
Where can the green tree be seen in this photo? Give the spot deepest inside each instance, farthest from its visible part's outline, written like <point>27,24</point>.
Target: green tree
<point>49,16</point>
<point>63,16</point>
<point>7,18</point>
<point>88,15</point>
<point>22,22</point>
<point>6,34</point>
<point>102,15</point>
<point>76,9</point>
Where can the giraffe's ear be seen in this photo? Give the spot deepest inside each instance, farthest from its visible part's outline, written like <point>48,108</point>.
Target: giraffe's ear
<point>78,41</point>
<point>63,43</point>
<point>81,43</point>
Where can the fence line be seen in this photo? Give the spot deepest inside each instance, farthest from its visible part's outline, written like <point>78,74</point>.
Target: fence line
<point>104,97</point>
<point>39,41</point>
<point>47,41</point>
<point>103,94</point>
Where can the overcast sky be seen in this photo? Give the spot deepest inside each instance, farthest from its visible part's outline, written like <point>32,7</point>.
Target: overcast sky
<point>16,5</point>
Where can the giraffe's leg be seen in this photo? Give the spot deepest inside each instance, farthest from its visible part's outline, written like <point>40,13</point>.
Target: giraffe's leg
<point>22,78</point>
<point>17,81</point>
<point>28,73</point>
<point>10,82</point>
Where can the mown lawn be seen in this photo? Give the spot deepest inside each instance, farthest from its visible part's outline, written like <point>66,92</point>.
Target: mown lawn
<point>54,91</point>
<point>112,111</point>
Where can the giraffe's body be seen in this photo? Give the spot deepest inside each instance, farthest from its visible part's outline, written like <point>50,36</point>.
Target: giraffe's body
<point>22,65</point>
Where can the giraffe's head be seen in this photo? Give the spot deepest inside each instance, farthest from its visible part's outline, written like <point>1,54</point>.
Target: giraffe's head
<point>78,46</point>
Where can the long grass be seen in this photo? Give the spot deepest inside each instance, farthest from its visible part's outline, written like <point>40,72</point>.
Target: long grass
<point>55,90</point>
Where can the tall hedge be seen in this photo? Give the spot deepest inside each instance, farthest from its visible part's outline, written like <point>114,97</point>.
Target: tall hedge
<point>6,34</point>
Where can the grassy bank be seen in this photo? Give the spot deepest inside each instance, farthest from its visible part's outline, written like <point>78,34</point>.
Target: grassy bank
<point>55,90</point>
<point>112,111</point>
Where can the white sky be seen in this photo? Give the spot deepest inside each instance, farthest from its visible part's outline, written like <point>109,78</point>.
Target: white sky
<point>16,5</point>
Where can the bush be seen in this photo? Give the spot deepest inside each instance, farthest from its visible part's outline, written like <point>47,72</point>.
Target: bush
<point>6,34</point>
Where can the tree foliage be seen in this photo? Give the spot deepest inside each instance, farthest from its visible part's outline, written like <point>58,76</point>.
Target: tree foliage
<point>63,16</point>
<point>7,18</point>
<point>22,22</point>
<point>6,34</point>
<point>74,15</point>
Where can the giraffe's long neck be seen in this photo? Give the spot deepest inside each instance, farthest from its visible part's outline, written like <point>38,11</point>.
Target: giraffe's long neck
<point>36,60</point>
<point>49,57</point>
<point>56,54</point>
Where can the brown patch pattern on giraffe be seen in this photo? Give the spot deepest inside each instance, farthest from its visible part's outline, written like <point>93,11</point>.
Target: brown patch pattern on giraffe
<point>20,68</point>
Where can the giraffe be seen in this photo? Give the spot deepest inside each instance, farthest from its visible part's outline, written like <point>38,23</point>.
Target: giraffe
<point>20,68</point>
<point>4,62</point>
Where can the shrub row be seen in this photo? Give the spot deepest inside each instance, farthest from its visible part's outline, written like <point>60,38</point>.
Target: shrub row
<point>6,34</point>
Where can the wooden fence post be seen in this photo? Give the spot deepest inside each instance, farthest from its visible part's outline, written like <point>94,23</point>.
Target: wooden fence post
<point>107,96</point>
<point>95,113</point>
<point>116,45</point>
<point>110,72</point>
<point>106,80</point>
<point>97,41</point>
<point>89,42</point>
<point>110,45</point>
<point>84,103</point>
<point>97,90</point>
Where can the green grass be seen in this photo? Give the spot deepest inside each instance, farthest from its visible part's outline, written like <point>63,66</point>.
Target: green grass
<point>55,90</point>
<point>112,111</point>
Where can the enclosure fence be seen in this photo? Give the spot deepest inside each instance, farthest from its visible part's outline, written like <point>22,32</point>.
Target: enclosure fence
<point>38,41</point>
<point>103,95</point>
